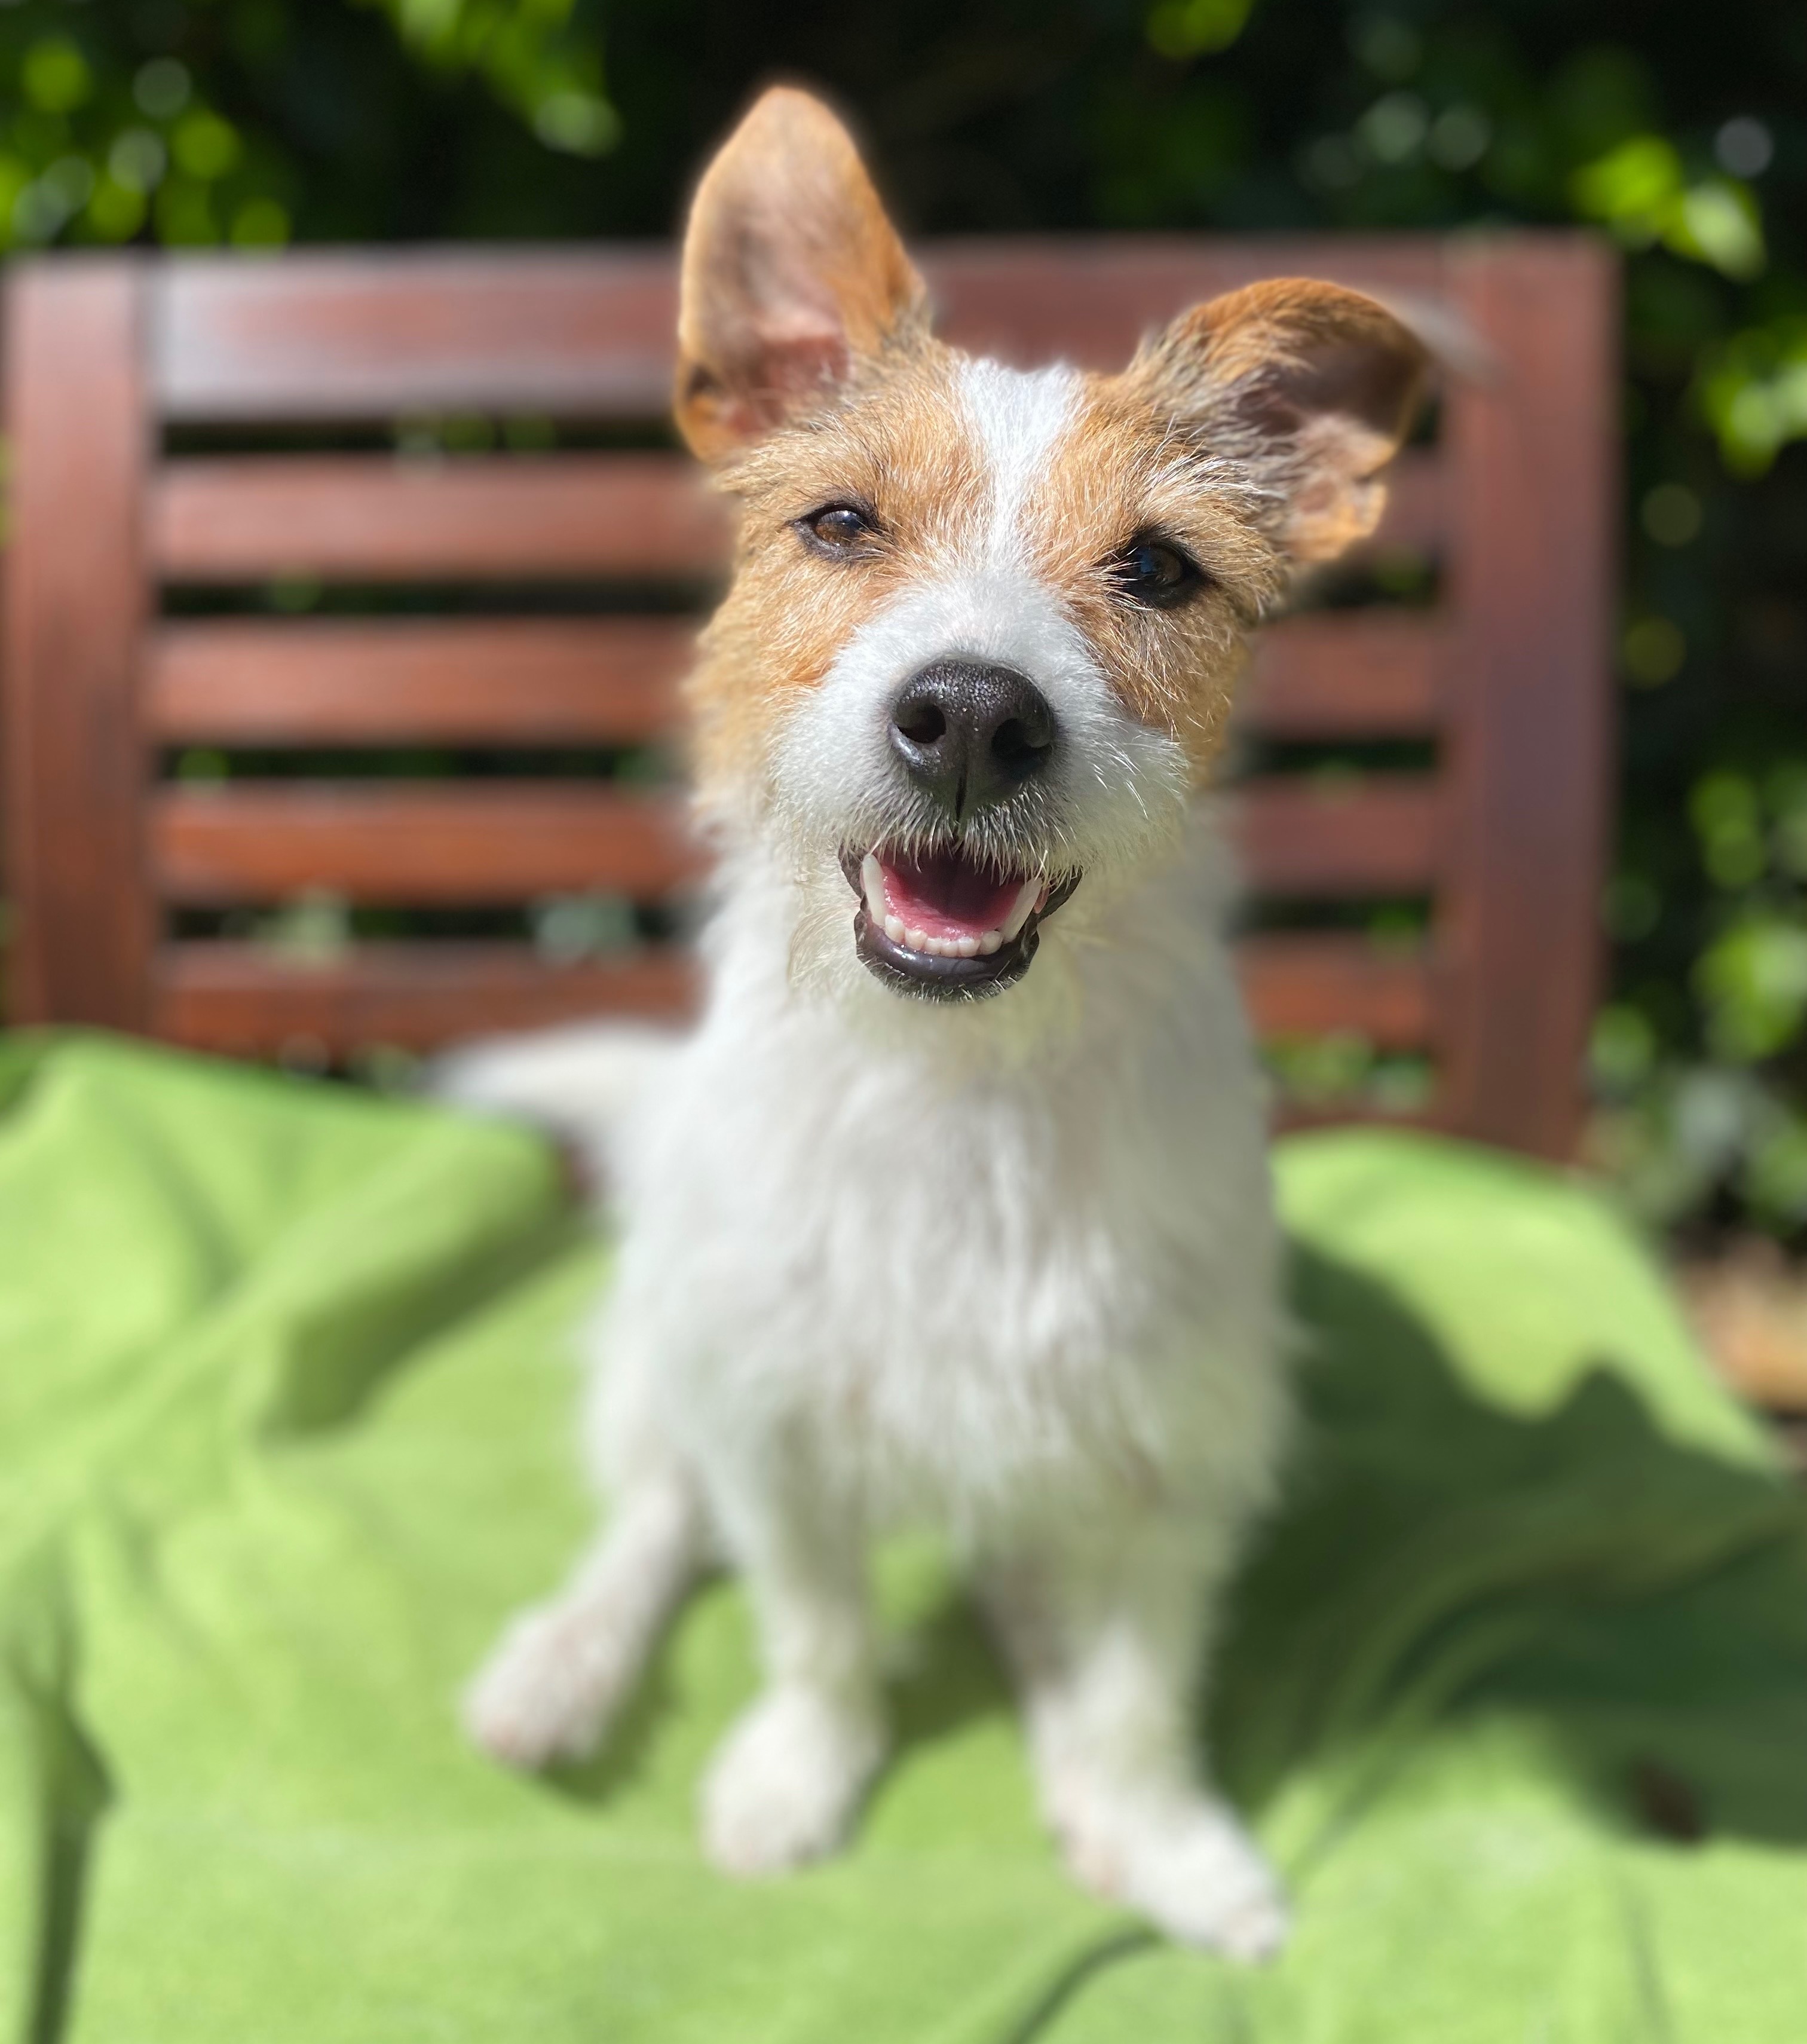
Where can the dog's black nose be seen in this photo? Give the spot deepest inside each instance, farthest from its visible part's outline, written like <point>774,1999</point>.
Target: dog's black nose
<point>972,734</point>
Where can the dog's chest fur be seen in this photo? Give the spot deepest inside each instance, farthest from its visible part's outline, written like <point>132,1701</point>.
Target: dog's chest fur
<point>951,1280</point>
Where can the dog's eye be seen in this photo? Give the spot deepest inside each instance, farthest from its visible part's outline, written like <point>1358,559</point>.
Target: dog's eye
<point>838,528</point>
<point>1156,572</point>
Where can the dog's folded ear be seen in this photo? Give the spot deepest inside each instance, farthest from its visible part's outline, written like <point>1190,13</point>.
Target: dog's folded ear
<point>792,273</point>
<point>1313,386</point>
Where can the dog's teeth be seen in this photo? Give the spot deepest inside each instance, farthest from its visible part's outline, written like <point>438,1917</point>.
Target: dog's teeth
<point>992,940</point>
<point>967,947</point>
<point>916,939</point>
<point>872,882</point>
<point>1022,908</point>
<point>894,928</point>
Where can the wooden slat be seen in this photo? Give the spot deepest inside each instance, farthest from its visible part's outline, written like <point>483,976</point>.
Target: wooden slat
<point>247,999</point>
<point>419,844</point>
<point>1362,674</point>
<point>1090,299</point>
<point>383,518</point>
<point>613,681</point>
<point>1314,984</point>
<point>447,681</point>
<point>1530,751</point>
<point>368,335</point>
<point>244,1000</point>
<point>377,518</point>
<point>71,806</point>
<point>364,335</point>
<point>466,842</point>
<point>1326,838</point>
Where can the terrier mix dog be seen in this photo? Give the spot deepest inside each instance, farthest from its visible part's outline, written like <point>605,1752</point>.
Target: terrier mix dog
<point>955,1207</point>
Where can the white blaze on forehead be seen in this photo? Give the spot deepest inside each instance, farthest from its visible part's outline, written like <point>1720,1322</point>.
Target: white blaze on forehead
<point>1017,419</point>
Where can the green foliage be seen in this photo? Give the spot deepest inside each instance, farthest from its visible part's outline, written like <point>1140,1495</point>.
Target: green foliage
<point>1682,136</point>
<point>1195,28</point>
<point>535,57</point>
<point>1754,390</point>
<point>213,121</point>
<point>96,147</point>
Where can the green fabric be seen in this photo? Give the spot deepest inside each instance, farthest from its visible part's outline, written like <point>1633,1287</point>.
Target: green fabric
<point>285,1402</point>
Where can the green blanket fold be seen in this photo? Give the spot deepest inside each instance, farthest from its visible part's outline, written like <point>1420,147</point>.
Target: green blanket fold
<point>1515,1687</point>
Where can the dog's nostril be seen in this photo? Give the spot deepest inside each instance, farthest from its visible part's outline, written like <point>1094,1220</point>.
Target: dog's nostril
<point>922,723</point>
<point>1019,743</point>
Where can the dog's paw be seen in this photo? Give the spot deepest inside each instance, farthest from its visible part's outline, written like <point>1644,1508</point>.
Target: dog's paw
<point>784,1786</point>
<point>545,1694</point>
<point>1193,1871</point>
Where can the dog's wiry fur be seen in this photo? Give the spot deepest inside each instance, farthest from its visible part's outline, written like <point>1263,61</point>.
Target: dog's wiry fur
<point>1006,1265</point>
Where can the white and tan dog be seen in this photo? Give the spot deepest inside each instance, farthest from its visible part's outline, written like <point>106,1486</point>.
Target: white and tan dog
<point>955,1207</point>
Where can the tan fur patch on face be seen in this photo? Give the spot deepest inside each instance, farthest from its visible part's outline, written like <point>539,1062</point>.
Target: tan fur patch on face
<point>896,448</point>
<point>1120,474</point>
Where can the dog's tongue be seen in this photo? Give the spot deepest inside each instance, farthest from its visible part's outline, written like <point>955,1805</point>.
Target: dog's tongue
<point>942,896</point>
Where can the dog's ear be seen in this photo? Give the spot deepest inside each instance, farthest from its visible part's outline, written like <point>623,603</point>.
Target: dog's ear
<point>1314,385</point>
<point>790,273</point>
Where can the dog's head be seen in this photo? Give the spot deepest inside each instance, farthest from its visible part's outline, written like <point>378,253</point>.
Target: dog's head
<point>983,626</point>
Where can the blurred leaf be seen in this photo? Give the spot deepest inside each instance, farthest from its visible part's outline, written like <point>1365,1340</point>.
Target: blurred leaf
<point>1728,823</point>
<point>1653,650</point>
<point>1636,187</point>
<point>532,59</point>
<point>1622,1051</point>
<point>1720,225</point>
<point>1196,28</point>
<point>1774,1178</point>
<point>1753,978</point>
<point>1754,391</point>
<point>1639,191</point>
<point>204,145</point>
<point>56,75</point>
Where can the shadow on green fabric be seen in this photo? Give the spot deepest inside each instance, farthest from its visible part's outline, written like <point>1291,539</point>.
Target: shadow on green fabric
<point>1629,1593</point>
<point>1436,1554</point>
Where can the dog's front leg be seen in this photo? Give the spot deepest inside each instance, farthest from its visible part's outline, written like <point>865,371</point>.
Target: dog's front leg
<point>788,1780</point>
<point>1107,1637</point>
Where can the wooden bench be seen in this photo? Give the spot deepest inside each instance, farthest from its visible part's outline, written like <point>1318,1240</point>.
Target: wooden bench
<point>160,413</point>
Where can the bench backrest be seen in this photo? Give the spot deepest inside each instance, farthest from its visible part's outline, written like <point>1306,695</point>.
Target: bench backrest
<point>189,435</point>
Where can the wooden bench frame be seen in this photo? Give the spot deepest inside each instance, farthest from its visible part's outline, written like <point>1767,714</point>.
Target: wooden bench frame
<point>1509,675</point>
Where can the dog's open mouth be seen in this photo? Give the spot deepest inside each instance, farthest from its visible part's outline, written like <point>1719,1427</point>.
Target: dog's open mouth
<point>937,923</point>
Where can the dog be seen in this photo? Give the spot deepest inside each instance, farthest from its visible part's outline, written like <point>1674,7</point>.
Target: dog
<point>954,1208</point>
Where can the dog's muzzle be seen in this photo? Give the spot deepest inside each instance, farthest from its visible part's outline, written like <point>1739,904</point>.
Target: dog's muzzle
<point>939,925</point>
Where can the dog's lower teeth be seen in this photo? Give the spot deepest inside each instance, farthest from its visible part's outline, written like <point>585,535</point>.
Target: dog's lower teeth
<point>1030,897</point>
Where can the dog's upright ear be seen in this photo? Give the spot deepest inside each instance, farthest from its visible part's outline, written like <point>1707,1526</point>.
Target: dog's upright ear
<point>1312,386</point>
<point>792,273</point>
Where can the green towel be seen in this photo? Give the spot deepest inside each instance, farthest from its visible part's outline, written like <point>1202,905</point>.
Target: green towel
<point>1515,1687</point>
